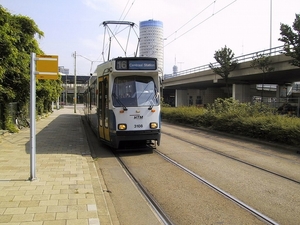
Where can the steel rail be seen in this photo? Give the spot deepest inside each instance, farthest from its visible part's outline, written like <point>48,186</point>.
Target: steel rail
<point>155,206</point>
<point>227,195</point>
<point>236,159</point>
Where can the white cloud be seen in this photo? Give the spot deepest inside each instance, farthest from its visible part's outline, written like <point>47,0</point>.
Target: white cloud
<point>94,4</point>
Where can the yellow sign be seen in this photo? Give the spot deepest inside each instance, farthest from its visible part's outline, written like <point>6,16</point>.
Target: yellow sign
<point>47,67</point>
<point>47,76</point>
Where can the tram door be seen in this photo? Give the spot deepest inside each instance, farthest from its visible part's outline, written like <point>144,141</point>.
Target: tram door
<point>103,108</point>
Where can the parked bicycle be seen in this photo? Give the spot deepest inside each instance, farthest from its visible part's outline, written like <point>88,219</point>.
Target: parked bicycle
<point>21,121</point>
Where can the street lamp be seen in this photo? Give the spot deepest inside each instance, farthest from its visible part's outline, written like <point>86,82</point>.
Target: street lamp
<point>66,97</point>
<point>75,82</point>
<point>270,25</point>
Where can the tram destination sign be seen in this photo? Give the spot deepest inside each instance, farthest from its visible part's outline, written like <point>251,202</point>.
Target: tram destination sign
<point>136,64</point>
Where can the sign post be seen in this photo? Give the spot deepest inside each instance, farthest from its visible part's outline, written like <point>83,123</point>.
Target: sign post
<point>41,67</point>
<point>32,117</point>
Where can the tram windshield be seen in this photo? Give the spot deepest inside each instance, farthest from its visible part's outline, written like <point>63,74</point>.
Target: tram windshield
<point>132,91</point>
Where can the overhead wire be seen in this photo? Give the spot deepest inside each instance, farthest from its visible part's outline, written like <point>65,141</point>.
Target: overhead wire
<point>120,18</point>
<point>176,38</point>
<point>191,19</point>
<point>129,9</point>
<point>124,10</point>
<point>200,22</point>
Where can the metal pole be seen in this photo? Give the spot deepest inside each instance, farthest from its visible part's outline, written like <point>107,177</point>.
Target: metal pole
<point>270,26</point>
<point>32,117</point>
<point>66,99</point>
<point>75,83</point>
<point>298,107</point>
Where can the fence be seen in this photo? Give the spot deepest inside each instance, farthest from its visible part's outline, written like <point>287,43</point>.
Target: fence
<point>12,110</point>
<point>243,58</point>
<point>289,106</point>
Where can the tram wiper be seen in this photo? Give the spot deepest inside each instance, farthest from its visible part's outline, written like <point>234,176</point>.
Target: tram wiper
<point>119,101</point>
<point>154,98</point>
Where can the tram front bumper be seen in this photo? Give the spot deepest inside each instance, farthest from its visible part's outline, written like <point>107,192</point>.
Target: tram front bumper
<point>143,135</point>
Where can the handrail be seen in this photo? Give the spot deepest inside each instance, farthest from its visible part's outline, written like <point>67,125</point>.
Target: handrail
<point>243,58</point>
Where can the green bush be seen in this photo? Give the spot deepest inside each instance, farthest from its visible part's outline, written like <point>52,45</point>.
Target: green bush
<point>10,125</point>
<point>251,120</point>
<point>188,115</point>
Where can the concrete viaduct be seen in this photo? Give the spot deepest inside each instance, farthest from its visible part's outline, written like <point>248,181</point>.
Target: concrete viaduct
<point>201,85</point>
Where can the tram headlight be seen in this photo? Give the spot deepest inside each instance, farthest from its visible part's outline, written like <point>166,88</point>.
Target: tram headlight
<point>153,125</point>
<point>122,126</point>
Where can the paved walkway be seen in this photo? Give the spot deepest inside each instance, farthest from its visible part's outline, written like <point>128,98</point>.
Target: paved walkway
<point>67,189</point>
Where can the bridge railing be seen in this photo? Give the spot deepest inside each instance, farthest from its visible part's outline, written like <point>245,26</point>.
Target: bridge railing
<point>243,58</point>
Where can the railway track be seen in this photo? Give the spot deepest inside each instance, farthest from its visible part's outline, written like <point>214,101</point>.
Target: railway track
<point>133,160</point>
<point>232,157</point>
<point>219,190</point>
<point>159,210</point>
<point>229,156</point>
<point>148,197</point>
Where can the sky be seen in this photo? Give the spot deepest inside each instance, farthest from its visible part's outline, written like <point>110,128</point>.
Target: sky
<point>193,29</point>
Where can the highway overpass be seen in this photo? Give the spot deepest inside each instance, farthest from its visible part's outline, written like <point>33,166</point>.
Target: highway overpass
<point>201,85</point>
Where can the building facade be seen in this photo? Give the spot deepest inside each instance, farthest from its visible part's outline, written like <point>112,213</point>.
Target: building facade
<point>152,41</point>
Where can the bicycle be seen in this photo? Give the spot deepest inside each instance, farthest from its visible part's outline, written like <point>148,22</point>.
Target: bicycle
<point>21,121</point>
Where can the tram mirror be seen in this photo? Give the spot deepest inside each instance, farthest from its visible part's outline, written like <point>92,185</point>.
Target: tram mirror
<point>160,80</point>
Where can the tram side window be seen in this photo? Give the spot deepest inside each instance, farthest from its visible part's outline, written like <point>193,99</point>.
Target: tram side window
<point>93,94</point>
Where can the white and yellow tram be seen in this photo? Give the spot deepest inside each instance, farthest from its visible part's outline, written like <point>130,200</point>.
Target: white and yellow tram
<point>122,102</point>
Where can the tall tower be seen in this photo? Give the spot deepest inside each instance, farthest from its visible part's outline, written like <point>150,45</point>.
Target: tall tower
<point>152,41</point>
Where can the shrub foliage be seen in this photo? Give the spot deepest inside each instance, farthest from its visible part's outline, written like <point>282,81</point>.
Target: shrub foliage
<point>246,119</point>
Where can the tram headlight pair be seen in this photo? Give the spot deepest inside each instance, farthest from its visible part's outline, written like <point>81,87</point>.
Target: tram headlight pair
<point>122,126</point>
<point>153,125</point>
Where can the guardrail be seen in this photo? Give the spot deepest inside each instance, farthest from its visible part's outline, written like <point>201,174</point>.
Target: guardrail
<point>284,105</point>
<point>243,58</point>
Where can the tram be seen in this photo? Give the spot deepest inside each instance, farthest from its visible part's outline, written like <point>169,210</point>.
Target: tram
<point>122,102</point>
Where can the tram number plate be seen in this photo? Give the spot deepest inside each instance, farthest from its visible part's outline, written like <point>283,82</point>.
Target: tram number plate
<point>138,125</point>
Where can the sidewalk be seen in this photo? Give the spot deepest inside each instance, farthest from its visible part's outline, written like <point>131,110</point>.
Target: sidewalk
<point>67,190</point>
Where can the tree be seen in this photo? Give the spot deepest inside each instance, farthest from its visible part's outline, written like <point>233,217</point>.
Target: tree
<point>262,62</point>
<point>224,58</point>
<point>17,40</point>
<point>291,38</point>
<point>47,91</point>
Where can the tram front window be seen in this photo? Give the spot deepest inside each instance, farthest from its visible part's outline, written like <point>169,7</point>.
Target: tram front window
<point>133,91</point>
